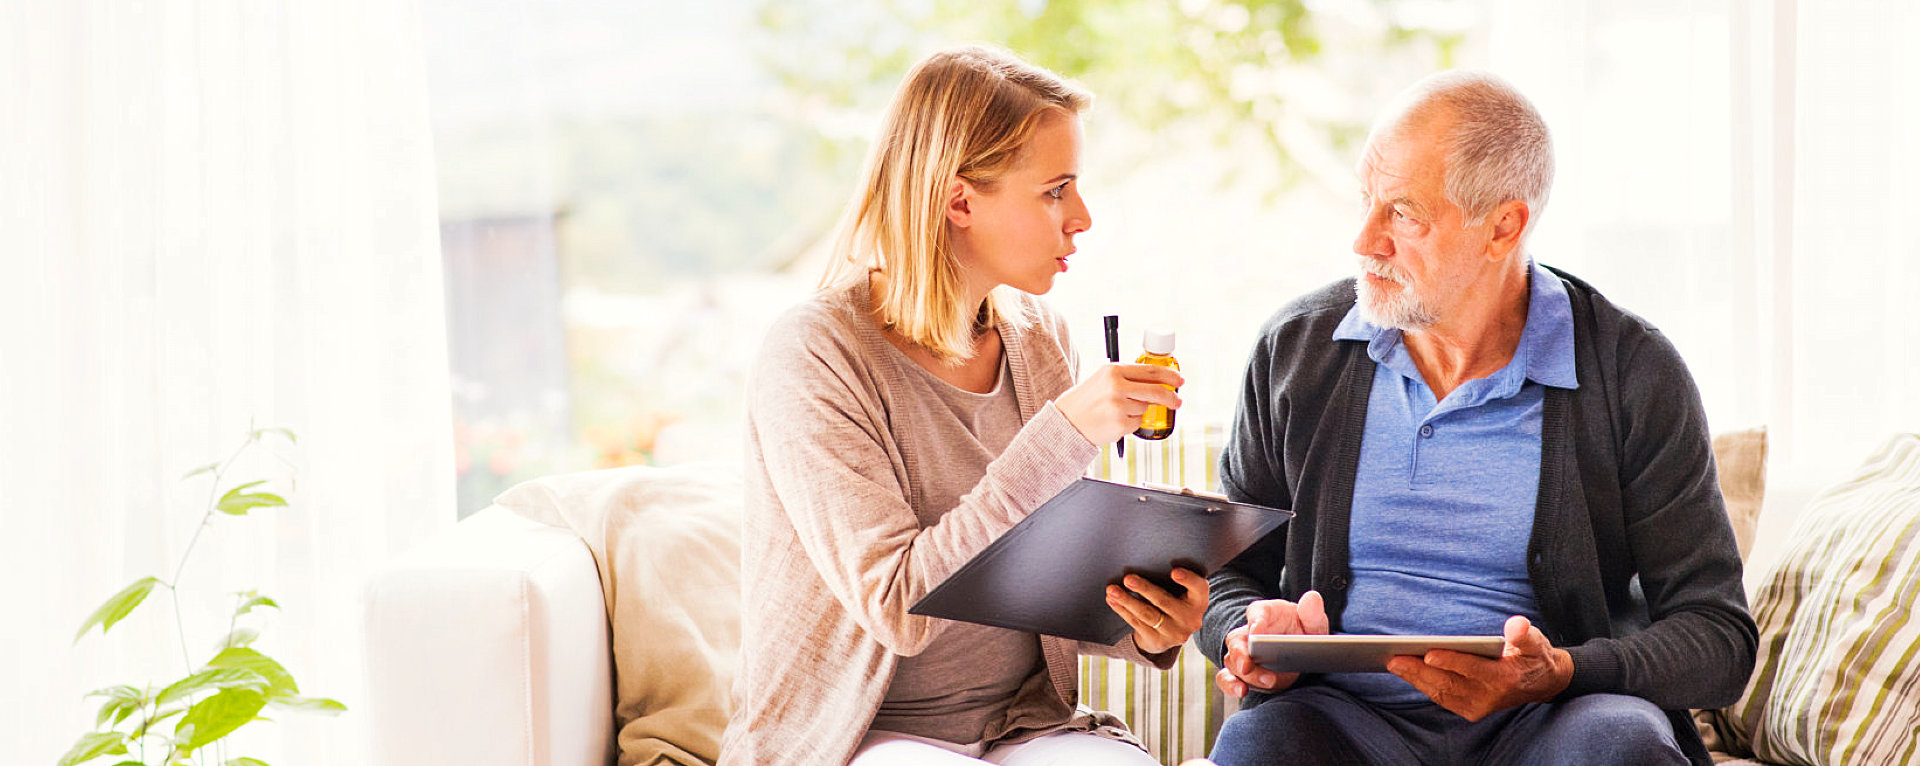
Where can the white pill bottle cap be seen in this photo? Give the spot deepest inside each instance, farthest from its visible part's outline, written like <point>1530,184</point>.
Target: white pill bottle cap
<point>1157,341</point>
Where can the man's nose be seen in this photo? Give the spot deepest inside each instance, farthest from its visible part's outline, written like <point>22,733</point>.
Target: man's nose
<point>1373,239</point>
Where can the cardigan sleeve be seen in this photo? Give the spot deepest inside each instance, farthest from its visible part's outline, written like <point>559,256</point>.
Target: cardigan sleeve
<point>1250,471</point>
<point>824,438</point>
<point>1699,649</point>
<point>1126,650</point>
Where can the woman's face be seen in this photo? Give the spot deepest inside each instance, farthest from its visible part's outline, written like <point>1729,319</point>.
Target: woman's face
<point>1021,232</point>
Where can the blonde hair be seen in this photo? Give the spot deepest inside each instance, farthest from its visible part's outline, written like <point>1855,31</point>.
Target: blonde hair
<point>961,113</point>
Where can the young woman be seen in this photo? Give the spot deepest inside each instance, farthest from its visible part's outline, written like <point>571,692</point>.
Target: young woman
<point>911,412</point>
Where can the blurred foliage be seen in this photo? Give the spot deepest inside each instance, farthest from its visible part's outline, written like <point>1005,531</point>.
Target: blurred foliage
<point>628,442</point>
<point>665,213</point>
<point>658,198</point>
<point>1233,69</point>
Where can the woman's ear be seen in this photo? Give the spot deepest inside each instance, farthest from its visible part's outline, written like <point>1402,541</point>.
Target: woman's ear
<point>959,207</point>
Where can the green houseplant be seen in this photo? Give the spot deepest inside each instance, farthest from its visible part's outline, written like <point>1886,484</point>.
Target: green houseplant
<point>185,721</point>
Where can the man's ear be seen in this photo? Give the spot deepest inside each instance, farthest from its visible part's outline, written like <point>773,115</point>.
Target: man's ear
<point>1510,221</point>
<point>959,207</point>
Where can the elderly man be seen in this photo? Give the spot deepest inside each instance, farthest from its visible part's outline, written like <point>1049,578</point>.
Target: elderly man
<point>1475,444</point>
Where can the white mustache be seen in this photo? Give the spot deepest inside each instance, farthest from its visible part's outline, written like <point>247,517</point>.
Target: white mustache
<point>1383,270</point>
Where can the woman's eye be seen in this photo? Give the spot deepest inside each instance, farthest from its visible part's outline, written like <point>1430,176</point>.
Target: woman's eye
<point>1058,192</point>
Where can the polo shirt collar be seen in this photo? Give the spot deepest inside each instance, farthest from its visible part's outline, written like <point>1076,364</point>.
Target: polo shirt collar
<point>1545,352</point>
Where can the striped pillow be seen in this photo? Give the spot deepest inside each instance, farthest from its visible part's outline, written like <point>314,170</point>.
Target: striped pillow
<point>1837,681</point>
<point>1175,712</point>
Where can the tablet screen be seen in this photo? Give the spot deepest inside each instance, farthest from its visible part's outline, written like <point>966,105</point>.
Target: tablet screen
<point>1356,653</point>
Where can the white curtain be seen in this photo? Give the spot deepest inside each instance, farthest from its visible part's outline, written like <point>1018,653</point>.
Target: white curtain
<point>215,214</point>
<point>1740,173</point>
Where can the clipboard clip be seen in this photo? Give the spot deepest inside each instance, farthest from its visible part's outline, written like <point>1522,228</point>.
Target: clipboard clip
<point>1184,491</point>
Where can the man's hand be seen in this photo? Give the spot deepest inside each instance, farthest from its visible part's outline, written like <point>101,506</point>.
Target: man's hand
<point>1530,669</point>
<point>1272,616</point>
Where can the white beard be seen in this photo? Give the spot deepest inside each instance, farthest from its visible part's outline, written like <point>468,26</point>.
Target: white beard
<point>1402,310</point>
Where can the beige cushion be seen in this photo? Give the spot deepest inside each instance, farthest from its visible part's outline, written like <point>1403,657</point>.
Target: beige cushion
<point>1741,460</point>
<point>1837,679</point>
<point>667,542</point>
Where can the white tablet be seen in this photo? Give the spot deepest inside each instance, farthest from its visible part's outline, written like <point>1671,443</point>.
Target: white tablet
<point>1356,653</point>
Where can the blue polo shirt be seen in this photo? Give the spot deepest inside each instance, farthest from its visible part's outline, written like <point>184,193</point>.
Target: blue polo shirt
<point>1443,503</point>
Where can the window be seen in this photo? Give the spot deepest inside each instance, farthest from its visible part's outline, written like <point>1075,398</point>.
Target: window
<point>629,195</point>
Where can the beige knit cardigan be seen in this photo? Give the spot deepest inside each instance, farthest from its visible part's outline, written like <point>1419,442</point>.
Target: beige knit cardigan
<point>833,553</point>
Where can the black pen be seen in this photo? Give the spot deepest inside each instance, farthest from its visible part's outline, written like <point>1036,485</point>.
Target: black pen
<point>1113,355</point>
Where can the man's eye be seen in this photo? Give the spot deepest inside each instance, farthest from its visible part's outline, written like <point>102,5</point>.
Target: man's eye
<point>1400,214</point>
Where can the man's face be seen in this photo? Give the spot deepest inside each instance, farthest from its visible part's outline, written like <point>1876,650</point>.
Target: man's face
<point>1417,261</point>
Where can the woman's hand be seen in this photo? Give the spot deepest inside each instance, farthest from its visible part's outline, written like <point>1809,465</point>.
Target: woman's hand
<point>1108,404</point>
<point>1160,620</point>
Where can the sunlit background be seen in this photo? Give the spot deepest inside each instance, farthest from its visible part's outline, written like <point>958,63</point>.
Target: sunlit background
<point>456,245</point>
<point>629,194</point>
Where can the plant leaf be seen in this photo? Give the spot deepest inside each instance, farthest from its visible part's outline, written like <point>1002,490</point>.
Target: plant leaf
<point>117,708</point>
<point>214,678</point>
<point>254,600</point>
<point>122,691</point>
<point>93,745</point>
<point>241,636</point>
<point>245,762</point>
<point>238,500</point>
<point>217,716</point>
<point>308,704</point>
<point>291,439</point>
<point>118,607</point>
<point>279,681</point>
<point>208,468</point>
<point>121,702</point>
<point>141,730</point>
<point>238,505</point>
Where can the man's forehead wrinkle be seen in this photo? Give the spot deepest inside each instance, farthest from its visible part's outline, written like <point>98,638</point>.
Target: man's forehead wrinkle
<point>1376,179</point>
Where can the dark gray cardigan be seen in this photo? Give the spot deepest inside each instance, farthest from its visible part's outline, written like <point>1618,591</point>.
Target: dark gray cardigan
<point>1632,559</point>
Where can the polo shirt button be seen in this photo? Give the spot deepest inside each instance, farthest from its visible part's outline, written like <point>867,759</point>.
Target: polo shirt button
<point>1339,583</point>
<point>1426,430</point>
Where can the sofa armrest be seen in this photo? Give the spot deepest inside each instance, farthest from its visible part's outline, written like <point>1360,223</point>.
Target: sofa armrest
<point>489,646</point>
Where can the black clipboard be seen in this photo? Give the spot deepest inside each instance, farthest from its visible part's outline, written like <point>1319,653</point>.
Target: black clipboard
<point>1050,572</point>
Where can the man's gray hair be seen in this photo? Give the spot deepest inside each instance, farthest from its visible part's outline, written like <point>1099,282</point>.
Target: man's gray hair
<point>1499,148</point>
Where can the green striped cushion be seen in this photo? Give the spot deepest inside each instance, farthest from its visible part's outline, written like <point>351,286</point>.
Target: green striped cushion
<point>1175,712</point>
<point>1837,680</point>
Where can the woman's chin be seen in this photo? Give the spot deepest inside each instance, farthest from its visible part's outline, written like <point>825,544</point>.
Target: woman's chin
<point>1037,286</point>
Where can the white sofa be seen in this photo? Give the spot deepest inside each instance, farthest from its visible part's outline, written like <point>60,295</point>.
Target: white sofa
<point>489,645</point>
